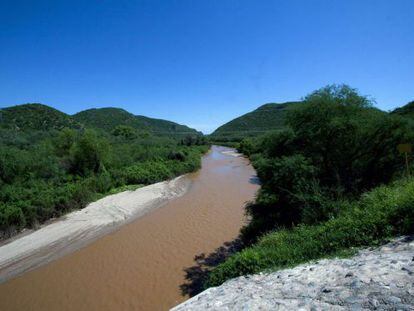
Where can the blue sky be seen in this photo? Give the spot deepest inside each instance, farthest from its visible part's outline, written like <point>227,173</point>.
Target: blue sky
<point>202,63</point>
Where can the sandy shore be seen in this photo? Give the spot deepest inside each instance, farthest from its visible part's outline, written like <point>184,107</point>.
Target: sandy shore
<point>81,227</point>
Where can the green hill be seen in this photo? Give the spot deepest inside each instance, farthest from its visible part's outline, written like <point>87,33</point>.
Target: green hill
<point>265,118</point>
<point>38,117</point>
<point>164,127</point>
<point>108,118</point>
<point>406,111</point>
<point>35,117</point>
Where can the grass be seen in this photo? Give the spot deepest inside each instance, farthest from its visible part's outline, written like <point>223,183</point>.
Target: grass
<point>379,215</point>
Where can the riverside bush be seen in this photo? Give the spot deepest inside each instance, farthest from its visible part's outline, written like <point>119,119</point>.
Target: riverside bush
<point>377,216</point>
<point>329,183</point>
<point>335,147</point>
<point>60,171</point>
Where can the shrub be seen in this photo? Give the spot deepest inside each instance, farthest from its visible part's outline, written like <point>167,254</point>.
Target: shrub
<point>13,163</point>
<point>11,219</point>
<point>335,148</point>
<point>125,131</point>
<point>46,174</point>
<point>88,154</point>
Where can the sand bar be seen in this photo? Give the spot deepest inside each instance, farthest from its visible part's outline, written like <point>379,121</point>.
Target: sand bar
<point>79,228</point>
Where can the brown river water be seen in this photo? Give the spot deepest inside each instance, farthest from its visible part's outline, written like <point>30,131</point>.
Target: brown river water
<point>141,265</point>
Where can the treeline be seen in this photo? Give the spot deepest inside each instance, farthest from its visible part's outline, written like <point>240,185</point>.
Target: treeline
<point>46,174</point>
<point>329,183</point>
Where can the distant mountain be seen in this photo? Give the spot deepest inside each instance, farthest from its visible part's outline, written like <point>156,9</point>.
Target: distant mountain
<point>108,118</point>
<point>406,111</point>
<point>159,126</point>
<point>265,118</point>
<point>38,117</point>
<point>35,117</point>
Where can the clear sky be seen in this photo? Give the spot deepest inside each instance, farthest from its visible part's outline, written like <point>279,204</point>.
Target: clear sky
<point>202,63</point>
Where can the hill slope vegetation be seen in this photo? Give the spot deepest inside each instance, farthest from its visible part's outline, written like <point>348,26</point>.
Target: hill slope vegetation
<point>35,117</point>
<point>109,118</point>
<point>52,163</point>
<point>265,118</point>
<point>332,180</point>
<point>405,111</point>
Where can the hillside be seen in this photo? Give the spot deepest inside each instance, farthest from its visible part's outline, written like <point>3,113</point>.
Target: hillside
<point>52,162</point>
<point>39,117</point>
<point>406,111</point>
<point>35,117</point>
<point>165,127</point>
<point>108,118</point>
<point>265,118</point>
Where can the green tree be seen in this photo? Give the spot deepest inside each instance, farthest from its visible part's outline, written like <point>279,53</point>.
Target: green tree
<point>336,147</point>
<point>88,154</point>
<point>13,163</point>
<point>125,131</point>
<point>64,141</point>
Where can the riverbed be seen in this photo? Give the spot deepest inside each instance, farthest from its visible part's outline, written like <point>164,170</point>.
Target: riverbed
<point>141,265</point>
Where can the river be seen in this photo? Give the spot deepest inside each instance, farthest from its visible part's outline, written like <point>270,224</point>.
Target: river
<point>142,265</point>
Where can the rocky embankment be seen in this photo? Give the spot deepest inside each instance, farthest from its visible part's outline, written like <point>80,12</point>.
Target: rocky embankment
<point>374,279</point>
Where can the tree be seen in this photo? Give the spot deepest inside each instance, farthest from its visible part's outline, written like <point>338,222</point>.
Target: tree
<point>88,154</point>
<point>125,131</point>
<point>336,147</point>
<point>12,163</point>
<point>64,141</point>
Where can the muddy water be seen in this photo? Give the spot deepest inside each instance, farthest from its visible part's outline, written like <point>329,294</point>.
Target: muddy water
<point>141,266</point>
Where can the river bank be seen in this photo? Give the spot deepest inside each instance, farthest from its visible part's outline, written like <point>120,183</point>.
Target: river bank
<point>374,279</point>
<point>148,263</point>
<point>79,228</point>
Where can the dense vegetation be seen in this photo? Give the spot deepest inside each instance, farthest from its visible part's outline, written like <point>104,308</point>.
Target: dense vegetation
<point>328,184</point>
<point>264,119</point>
<point>406,111</point>
<point>109,118</point>
<point>51,164</point>
<point>383,213</point>
<point>35,117</point>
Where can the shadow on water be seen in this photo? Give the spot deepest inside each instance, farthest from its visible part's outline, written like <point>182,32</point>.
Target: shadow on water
<point>197,274</point>
<point>254,180</point>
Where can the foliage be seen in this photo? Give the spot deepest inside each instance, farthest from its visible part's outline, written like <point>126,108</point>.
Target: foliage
<point>336,147</point>
<point>384,212</point>
<point>406,111</point>
<point>108,119</point>
<point>88,154</point>
<point>268,117</point>
<point>331,181</point>
<point>47,170</point>
<point>124,131</point>
<point>35,117</point>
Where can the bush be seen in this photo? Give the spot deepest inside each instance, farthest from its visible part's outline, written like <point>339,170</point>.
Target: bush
<point>147,173</point>
<point>13,163</point>
<point>11,219</point>
<point>125,131</point>
<point>88,154</point>
<point>44,175</point>
<point>336,147</point>
<point>176,155</point>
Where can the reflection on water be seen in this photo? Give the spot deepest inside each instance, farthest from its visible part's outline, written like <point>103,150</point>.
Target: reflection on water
<point>142,265</point>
